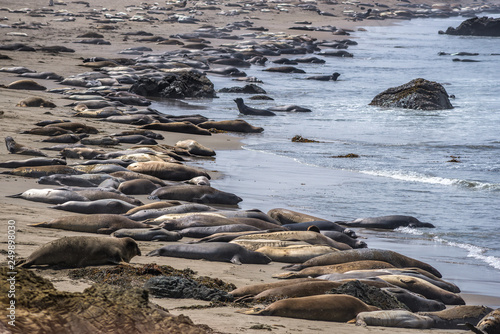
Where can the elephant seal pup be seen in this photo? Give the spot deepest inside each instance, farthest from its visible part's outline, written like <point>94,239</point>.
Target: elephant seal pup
<point>50,196</point>
<point>255,289</point>
<point>386,222</point>
<point>246,110</point>
<point>456,317</point>
<point>112,206</point>
<point>199,181</point>
<point>167,170</point>
<point>25,84</point>
<point>237,125</point>
<point>193,147</point>
<point>342,237</point>
<point>198,194</point>
<point>414,301</point>
<point>32,162</point>
<point>339,308</point>
<point>394,318</point>
<point>39,171</point>
<point>213,251</point>
<point>182,127</point>
<point>137,187</point>
<point>394,258</point>
<point>93,223</point>
<point>68,252</point>
<point>17,148</point>
<point>147,234</point>
<point>35,101</point>
<point>490,324</point>
<point>424,288</point>
<point>335,268</point>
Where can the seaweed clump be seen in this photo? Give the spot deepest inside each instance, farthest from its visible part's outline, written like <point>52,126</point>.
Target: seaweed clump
<point>300,139</point>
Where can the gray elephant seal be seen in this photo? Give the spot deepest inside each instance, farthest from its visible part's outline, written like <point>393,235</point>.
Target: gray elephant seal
<point>339,308</point>
<point>246,110</point>
<point>342,237</point>
<point>182,127</point>
<point>455,317</point>
<point>147,234</point>
<point>214,251</point>
<point>94,223</point>
<point>386,222</point>
<point>39,171</point>
<point>193,147</point>
<point>321,225</point>
<point>137,187</point>
<point>255,289</point>
<point>332,77</point>
<point>17,148</point>
<point>205,231</point>
<point>68,252</point>
<point>112,206</point>
<point>198,194</point>
<point>394,258</point>
<point>50,196</point>
<point>237,125</point>
<point>394,318</point>
<point>490,324</point>
<point>32,162</point>
<point>414,301</point>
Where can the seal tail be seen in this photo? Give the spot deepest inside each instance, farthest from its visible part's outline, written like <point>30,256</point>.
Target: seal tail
<point>293,267</point>
<point>15,196</point>
<point>42,224</point>
<point>156,252</point>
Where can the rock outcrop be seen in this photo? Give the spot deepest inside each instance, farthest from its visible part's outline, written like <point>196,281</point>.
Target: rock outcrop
<point>418,94</point>
<point>476,26</point>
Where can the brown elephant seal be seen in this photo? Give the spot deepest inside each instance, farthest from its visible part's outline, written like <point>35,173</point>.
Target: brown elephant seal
<point>237,125</point>
<point>96,194</point>
<point>154,205</point>
<point>342,237</point>
<point>205,231</point>
<point>394,318</point>
<point>68,251</point>
<point>147,234</point>
<point>50,196</point>
<point>456,317</point>
<point>284,69</point>
<point>167,170</point>
<point>490,324</point>
<point>134,175</point>
<point>199,181</point>
<point>394,258</point>
<point>198,194</point>
<point>65,138</point>
<point>153,213</point>
<point>80,153</point>
<point>94,223</point>
<point>195,148</point>
<point>39,171</point>
<point>213,251</point>
<point>295,253</point>
<point>17,148</point>
<point>36,101</point>
<point>338,308</point>
<point>285,216</point>
<point>76,127</point>
<point>302,289</point>
<point>25,84</point>
<point>424,288</point>
<point>255,289</point>
<point>386,222</point>
<point>49,131</point>
<point>112,206</point>
<point>32,162</point>
<point>321,225</point>
<point>414,301</point>
<point>137,187</point>
<point>194,219</point>
<point>335,268</point>
<point>182,127</point>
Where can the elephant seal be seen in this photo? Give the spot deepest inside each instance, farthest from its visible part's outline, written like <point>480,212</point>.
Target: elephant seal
<point>246,110</point>
<point>76,127</point>
<point>332,77</point>
<point>394,258</point>
<point>94,223</point>
<point>285,216</point>
<point>134,175</point>
<point>193,147</point>
<point>152,213</point>
<point>342,237</point>
<point>80,152</point>
<point>167,170</point>
<point>339,308</point>
<point>182,127</point>
<point>290,108</point>
<point>205,231</point>
<point>39,171</point>
<point>137,187</point>
<point>154,205</point>
<point>147,234</point>
<point>66,138</point>
<point>310,237</point>
<point>456,317</point>
<point>321,225</point>
<point>199,181</point>
<point>424,288</point>
<point>335,268</point>
<point>68,252</point>
<point>394,318</point>
<point>112,206</point>
<point>36,101</point>
<point>93,195</point>
<point>193,219</point>
<point>25,84</point>
<point>213,251</point>
<point>295,253</point>
<point>386,222</point>
<point>50,196</point>
<point>49,131</point>
<point>17,148</point>
<point>255,289</point>
<point>414,301</point>
<point>32,162</point>
<point>237,125</point>
<point>82,180</point>
<point>490,324</point>
<point>284,69</point>
<point>198,194</point>
<point>301,289</point>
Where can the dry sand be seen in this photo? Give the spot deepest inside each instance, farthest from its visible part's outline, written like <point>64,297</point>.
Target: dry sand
<point>15,119</point>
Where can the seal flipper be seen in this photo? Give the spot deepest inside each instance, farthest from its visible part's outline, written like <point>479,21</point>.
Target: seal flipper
<point>474,328</point>
<point>105,230</point>
<point>15,196</point>
<point>236,259</point>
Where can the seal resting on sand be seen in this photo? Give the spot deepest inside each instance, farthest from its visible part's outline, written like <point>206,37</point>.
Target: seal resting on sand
<point>17,148</point>
<point>68,252</point>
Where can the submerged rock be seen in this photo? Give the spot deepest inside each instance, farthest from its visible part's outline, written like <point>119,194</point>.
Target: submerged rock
<point>417,94</point>
<point>175,85</point>
<point>476,26</point>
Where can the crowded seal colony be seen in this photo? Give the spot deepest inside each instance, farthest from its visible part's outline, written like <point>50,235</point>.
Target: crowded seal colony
<point>99,184</point>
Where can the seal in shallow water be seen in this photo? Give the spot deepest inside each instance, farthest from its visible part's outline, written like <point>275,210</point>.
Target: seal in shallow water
<point>386,222</point>
<point>246,110</point>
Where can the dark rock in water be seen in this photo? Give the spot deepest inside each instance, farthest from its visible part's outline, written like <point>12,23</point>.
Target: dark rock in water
<point>370,295</point>
<point>417,94</point>
<point>180,287</point>
<point>476,26</point>
<point>175,85</point>
<point>248,89</point>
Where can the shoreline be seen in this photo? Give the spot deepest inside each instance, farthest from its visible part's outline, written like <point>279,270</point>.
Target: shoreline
<point>239,166</point>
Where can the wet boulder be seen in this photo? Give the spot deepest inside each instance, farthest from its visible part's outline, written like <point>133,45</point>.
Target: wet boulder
<point>476,26</point>
<point>418,94</point>
<point>175,85</point>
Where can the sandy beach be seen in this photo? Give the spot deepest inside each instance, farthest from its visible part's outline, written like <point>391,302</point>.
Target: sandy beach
<point>14,119</point>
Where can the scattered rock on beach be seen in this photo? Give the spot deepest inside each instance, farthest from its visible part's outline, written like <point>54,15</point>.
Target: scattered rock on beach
<point>418,94</point>
<point>181,85</point>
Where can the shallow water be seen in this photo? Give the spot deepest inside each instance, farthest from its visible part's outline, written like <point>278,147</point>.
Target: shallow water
<point>403,166</point>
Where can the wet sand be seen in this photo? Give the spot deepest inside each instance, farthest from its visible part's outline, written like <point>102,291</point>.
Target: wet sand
<point>245,173</point>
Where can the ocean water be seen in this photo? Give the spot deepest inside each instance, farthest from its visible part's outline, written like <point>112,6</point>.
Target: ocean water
<point>404,155</point>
